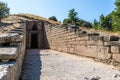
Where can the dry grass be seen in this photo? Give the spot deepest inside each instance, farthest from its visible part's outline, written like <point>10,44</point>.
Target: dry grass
<point>102,32</point>
<point>36,17</point>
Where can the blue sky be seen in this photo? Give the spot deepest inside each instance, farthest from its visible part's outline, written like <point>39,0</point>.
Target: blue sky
<point>87,9</point>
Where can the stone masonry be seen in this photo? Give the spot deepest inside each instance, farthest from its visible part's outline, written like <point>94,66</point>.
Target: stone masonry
<point>12,50</point>
<point>80,42</point>
<point>31,33</point>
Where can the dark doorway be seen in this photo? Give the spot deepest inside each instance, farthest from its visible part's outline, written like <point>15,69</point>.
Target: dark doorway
<point>34,40</point>
<point>34,28</point>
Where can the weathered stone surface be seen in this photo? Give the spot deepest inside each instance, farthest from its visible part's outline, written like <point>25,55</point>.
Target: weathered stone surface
<point>91,43</point>
<point>10,37</point>
<point>111,38</point>
<point>7,71</point>
<point>82,43</point>
<point>115,49</point>
<point>7,53</point>
<point>103,52</point>
<point>86,43</point>
<point>96,38</point>
<point>84,38</point>
<point>95,43</point>
<point>70,50</point>
<point>93,34</point>
<point>99,43</point>
<point>82,33</point>
<point>89,51</point>
<point>116,57</point>
<point>112,43</point>
<point>11,70</point>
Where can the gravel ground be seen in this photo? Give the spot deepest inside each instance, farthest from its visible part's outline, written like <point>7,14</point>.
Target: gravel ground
<point>53,65</point>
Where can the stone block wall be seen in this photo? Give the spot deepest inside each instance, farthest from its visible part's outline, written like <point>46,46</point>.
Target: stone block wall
<point>11,69</point>
<point>83,43</point>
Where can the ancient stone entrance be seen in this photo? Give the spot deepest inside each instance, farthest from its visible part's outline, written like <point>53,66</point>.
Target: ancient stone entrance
<point>34,40</point>
<point>35,34</point>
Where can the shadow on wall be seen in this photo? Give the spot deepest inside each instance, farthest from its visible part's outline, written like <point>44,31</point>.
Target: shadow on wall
<point>31,69</point>
<point>46,43</point>
<point>5,24</point>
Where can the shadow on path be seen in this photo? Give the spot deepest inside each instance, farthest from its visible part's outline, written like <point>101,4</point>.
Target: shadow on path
<point>32,65</point>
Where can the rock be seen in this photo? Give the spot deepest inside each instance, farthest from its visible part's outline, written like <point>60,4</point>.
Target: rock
<point>93,69</point>
<point>93,34</point>
<point>97,78</point>
<point>82,33</point>
<point>8,53</point>
<point>111,38</point>
<point>116,75</point>
<point>10,38</point>
<point>86,78</point>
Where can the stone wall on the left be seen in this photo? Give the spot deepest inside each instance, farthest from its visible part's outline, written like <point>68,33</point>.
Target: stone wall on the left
<point>12,51</point>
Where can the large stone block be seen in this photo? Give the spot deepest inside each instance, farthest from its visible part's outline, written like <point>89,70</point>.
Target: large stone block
<point>95,43</point>
<point>96,38</point>
<point>8,71</point>
<point>93,34</point>
<point>91,42</point>
<point>10,38</point>
<point>116,57</point>
<point>103,52</point>
<point>7,53</point>
<point>111,38</point>
<point>99,43</point>
<point>89,51</point>
<point>70,50</point>
<point>82,33</point>
<point>112,43</point>
<point>82,43</point>
<point>115,49</point>
<point>83,38</point>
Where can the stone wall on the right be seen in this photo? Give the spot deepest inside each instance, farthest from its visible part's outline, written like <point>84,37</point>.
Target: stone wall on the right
<point>83,43</point>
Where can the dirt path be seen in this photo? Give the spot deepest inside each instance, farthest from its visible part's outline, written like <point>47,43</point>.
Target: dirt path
<point>53,65</point>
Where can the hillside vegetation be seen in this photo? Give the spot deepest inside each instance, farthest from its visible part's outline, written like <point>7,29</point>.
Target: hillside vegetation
<point>36,17</point>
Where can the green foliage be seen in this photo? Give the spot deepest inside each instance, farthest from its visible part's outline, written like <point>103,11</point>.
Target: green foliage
<point>110,22</point>
<point>100,28</point>
<point>102,21</point>
<point>4,10</point>
<point>80,22</point>
<point>87,24</point>
<point>53,18</point>
<point>72,17</point>
<point>95,24</point>
<point>66,21</point>
<point>116,17</point>
<point>106,22</point>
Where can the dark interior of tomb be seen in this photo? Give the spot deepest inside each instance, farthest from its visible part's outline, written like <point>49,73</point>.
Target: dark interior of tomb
<point>34,40</point>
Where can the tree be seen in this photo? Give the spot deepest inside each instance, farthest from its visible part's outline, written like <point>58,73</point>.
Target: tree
<point>53,18</point>
<point>66,21</point>
<point>87,24</point>
<point>108,22</point>
<point>116,17</point>
<point>102,21</point>
<point>95,24</point>
<point>72,17</point>
<point>4,10</point>
<point>80,22</point>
